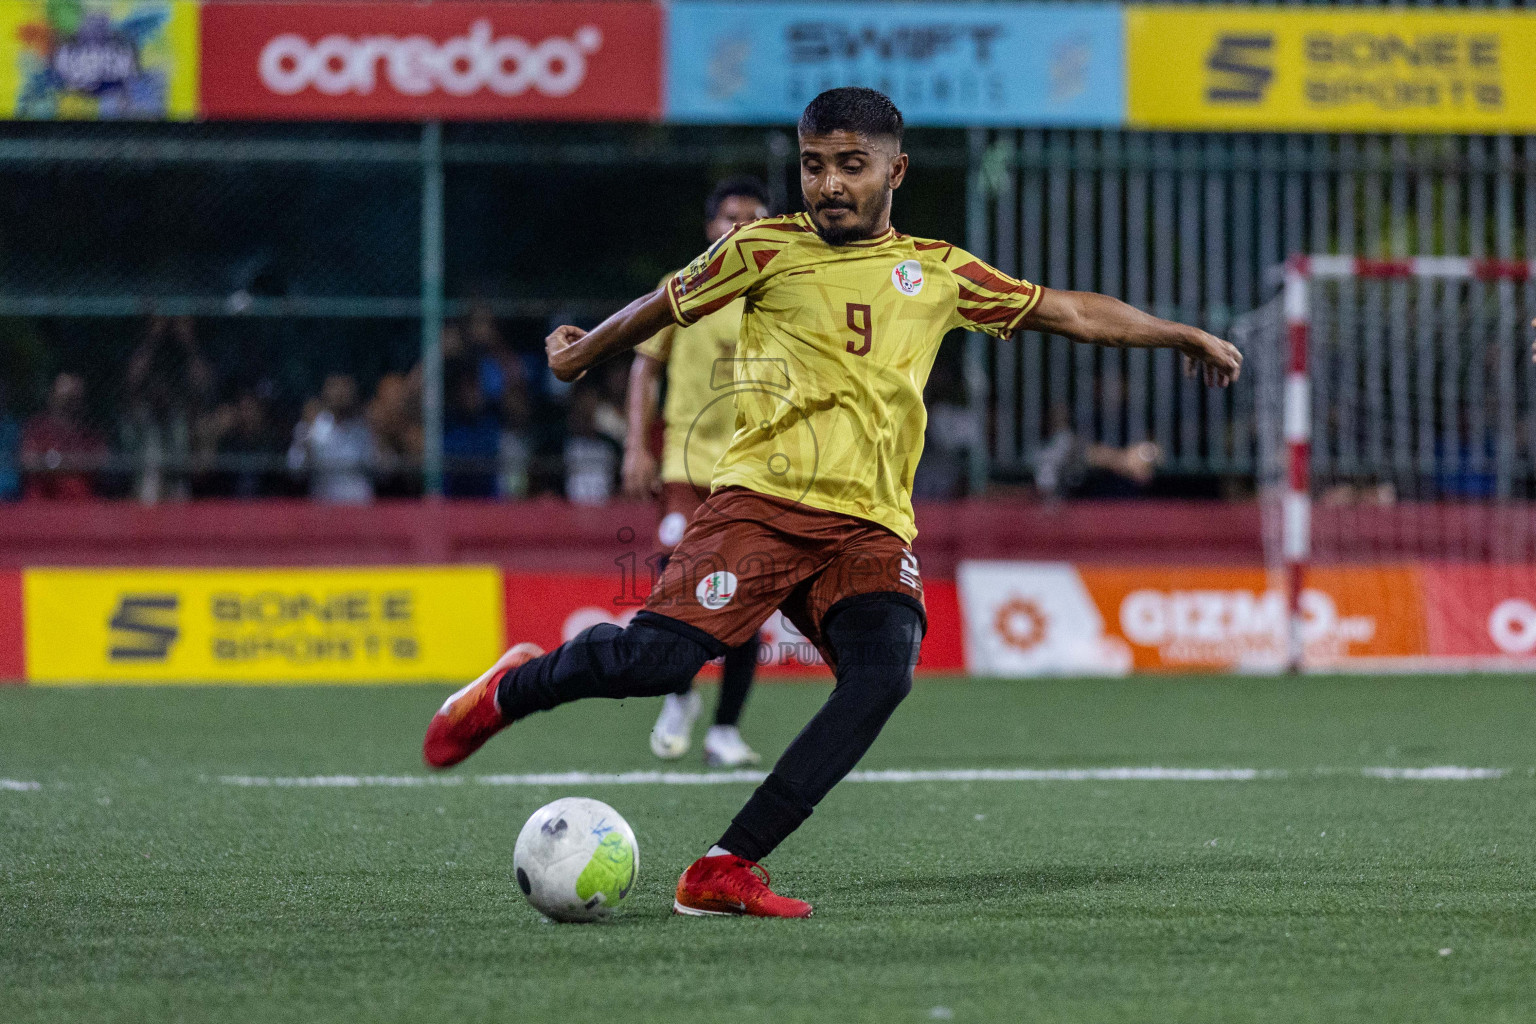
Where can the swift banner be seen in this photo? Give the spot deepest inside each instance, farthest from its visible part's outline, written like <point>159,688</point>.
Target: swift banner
<point>1269,69</point>
<point>261,625</point>
<point>943,63</point>
<point>94,60</point>
<point>576,61</point>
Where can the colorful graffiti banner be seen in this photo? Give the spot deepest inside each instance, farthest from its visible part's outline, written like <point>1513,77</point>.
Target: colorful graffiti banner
<point>114,60</point>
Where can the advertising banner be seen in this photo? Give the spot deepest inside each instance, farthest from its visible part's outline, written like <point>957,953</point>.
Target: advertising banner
<point>1032,618</point>
<point>578,61</point>
<point>1334,69</point>
<point>551,608</point>
<point>1481,612</point>
<point>943,63</point>
<point>13,662</point>
<point>98,59</point>
<point>261,625</point>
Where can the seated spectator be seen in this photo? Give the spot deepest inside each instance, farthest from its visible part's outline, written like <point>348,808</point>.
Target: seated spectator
<point>954,431</point>
<point>168,382</point>
<point>471,440</point>
<point>334,445</point>
<point>60,454</point>
<point>10,450</point>
<point>515,448</point>
<point>395,416</point>
<point>247,449</point>
<point>591,460</point>
<point>1074,467</point>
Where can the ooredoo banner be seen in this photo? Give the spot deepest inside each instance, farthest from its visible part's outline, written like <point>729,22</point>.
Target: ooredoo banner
<point>1481,613</point>
<point>453,61</point>
<point>261,625</point>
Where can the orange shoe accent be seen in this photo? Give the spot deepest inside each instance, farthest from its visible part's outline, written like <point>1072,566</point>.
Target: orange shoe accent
<point>470,717</point>
<point>732,885</point>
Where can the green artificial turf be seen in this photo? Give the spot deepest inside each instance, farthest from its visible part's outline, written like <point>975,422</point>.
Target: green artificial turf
<point>135,885</point>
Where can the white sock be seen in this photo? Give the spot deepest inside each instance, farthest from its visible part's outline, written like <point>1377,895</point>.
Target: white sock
<point>719,851</point>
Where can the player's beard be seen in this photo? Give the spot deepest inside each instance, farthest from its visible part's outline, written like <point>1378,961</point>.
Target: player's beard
<point>857,228</point>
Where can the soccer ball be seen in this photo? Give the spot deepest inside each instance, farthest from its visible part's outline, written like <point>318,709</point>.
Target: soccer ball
<point>576,859</point>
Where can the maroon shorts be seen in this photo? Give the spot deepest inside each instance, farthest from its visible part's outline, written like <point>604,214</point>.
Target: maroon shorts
<point>746,554</point>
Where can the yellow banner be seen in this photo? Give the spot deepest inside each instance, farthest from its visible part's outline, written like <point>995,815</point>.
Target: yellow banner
<point>1331,70</point>
<point>261,625</point>
<point>98,59</point>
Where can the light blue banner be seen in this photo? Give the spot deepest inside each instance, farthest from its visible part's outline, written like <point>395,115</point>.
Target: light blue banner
<point>943,63</point>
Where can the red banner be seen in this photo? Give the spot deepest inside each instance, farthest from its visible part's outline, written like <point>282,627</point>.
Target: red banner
<point>1480,611</point>
<point>591,61</point>
<point>550,608</point>
<point>13,662</point>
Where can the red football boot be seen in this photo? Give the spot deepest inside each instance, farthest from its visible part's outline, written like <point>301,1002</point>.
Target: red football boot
<point>470,717</point>
<point>732,885</point>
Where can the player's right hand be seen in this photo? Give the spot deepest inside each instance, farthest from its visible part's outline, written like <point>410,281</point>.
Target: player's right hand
<point>639,471</point>
<point>556,351</point>
<point>1213,359</point>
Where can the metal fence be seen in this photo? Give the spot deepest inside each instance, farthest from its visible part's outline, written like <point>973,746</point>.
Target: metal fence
<point>301,250</point>
<point>1190,226</point>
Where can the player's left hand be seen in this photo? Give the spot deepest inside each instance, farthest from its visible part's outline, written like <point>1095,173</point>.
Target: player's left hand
<point>556,348</point>
<point>1216,360</point>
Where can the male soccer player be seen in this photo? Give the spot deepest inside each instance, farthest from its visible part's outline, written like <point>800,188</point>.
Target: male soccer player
<point>700,417</point>
<point>810,509</point>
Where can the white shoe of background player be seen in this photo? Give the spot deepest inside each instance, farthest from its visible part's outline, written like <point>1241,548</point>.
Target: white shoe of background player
<point>724,748</point>
<point>673,732</point>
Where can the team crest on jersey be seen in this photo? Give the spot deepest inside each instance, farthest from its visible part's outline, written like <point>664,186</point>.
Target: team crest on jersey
<point>716,590</point>
<point>908,277</point>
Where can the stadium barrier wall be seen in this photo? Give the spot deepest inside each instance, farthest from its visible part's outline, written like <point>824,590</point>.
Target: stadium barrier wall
<point>998,618</point>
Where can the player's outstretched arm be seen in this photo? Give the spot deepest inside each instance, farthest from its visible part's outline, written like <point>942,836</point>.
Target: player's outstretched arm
<point>1100,320</point>
<point>572,351</point>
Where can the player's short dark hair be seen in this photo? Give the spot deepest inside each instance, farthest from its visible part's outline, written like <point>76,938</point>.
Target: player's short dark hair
<point>853,108</point>
<point>741,185</point>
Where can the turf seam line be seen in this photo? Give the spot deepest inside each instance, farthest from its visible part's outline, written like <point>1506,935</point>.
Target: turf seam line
<point>1151,773</point>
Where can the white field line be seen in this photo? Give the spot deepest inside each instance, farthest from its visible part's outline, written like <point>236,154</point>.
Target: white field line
<point>654,778</point>
<point>14,786</point>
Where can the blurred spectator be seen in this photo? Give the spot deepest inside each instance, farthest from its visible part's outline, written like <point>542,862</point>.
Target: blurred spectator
<point>334,445</point>
<point>395,416</point>
<point>10,449</point>
<point>59,453</point>
<point>591,460</point>
<point>247,449</point>
<point>471,440</point>
<point>1074,467</point>
<point>953,431</point>
<point>168,383</point>
<point>514,448</point>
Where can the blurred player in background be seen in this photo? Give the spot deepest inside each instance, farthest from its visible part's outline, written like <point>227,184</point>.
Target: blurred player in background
<point>699,419</point>
<point>810,510</point>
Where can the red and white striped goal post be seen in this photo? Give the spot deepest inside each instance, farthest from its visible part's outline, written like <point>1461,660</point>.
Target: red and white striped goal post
<point>1299,272</point>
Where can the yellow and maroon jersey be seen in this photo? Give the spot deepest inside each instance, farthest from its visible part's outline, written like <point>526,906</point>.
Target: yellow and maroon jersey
<point>835,347</point>
<point>700,412</point>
